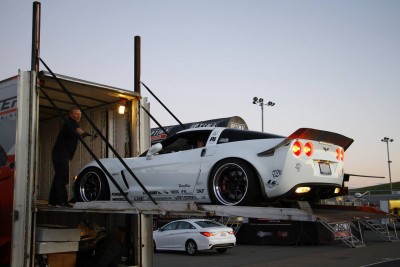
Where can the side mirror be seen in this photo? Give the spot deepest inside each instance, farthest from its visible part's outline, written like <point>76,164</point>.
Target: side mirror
<point>154,149</point>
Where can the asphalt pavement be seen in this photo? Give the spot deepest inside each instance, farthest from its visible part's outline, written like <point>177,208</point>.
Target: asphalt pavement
<point>377,252</point>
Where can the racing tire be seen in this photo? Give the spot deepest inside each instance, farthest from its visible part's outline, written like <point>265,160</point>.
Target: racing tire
<point>232,183</point>
<point>191,247</point>
<point>91,185</point>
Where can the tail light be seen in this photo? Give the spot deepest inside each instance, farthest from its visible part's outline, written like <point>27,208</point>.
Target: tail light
<point>339,154</point>
<point>308,149</point>
<point>208,234</point>
<point>298,147</point>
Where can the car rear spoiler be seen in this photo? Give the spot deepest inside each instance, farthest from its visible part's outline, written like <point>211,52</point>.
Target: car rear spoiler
<point>312,134</point>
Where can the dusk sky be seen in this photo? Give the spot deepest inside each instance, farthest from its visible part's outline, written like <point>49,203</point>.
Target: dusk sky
<point>329,65</point>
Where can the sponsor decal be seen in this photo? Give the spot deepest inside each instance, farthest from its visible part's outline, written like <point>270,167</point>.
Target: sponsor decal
<point>199,191</point>
<point>174,192</point>
<point>264,234</point>
<point>8,108</point>
<point>213,139</point>
<point>118,199</point>
<point>298,167</point>
<point>183,192</point>
<point>185,198</point>
<point>224,140</point>
<point>165,192</point>
<point>160,132</point>
<point>138,198</point>
<point>184,185</point>
<point>282,234</point>
<point>200,125</point>
<point>276,173</point>
<point>163,198</point>
<point>158,137</point>
<point>153,193</point>
<point>271,183</point>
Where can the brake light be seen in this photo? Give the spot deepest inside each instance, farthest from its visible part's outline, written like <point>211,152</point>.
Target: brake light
<point>296,148</point>
<point>339,154</point>
<point>208,234</point>
<point>308,149</point>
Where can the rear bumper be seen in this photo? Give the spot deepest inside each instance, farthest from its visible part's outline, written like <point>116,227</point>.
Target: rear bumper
<point>225,245</point>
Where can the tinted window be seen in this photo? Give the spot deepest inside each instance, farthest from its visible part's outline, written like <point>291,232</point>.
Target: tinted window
<point>185,225</point>
<point>234,135</point>
<point>183,141</point>
<point>170,226</point>
<point>207,224</point>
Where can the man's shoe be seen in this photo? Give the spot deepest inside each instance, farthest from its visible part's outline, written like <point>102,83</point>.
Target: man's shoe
<point>65,205</point>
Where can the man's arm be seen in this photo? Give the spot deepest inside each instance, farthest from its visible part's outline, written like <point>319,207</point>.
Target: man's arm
<point>82,133</point>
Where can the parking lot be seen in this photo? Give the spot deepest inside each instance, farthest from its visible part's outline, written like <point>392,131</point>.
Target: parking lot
<point>375,253</point>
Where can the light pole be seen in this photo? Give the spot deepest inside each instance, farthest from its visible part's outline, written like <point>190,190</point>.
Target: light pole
<point>387,140</point>
<point>260,102</point>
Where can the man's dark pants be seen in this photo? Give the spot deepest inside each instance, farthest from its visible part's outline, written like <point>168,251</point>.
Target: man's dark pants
<point>58,192</point>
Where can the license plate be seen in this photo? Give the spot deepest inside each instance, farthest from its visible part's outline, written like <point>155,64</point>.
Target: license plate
<point>325,168</point>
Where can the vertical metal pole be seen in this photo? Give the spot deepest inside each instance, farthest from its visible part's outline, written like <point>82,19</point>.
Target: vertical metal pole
<point>137,65</point>
<point>390,175</point>
<point>35,37</point>
<point>262,116</point>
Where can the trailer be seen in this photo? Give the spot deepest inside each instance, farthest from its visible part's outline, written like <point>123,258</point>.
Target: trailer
<point>32,109</point>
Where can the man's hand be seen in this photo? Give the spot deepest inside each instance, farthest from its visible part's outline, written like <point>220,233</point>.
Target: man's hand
<point>85,134</point>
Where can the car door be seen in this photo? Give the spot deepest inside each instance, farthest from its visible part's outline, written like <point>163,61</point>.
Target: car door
<point>166,235</point>
<point>173,172</point>
<point>184,232</point>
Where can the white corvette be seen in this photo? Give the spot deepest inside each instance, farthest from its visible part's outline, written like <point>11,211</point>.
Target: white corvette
<point>223,166</point>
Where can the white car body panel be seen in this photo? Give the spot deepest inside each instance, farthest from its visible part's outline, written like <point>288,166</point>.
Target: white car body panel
<point>176,239</point>
<point>184,175</point>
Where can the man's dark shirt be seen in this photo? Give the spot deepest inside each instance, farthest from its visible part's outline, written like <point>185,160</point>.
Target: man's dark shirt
<point>67,139</point>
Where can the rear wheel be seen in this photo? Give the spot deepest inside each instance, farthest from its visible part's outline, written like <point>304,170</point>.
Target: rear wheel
<point>191,247</point>
<point>232,182</point>
<point>91,185</point>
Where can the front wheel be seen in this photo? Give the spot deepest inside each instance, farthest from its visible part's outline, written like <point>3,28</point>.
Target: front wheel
<point>91,185</point>
<point>191,247</point>
<point>232,183</point>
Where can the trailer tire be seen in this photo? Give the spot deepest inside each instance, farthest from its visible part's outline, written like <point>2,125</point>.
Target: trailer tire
<point>91,185</point>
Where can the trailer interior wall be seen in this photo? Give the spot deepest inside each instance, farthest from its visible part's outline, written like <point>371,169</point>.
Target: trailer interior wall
<point>100,103</point>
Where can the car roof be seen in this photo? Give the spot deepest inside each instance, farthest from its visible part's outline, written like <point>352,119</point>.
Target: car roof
<point>193,220</point>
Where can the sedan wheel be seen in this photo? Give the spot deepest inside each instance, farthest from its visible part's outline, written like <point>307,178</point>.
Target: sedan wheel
<point>191,247</point>
<point>232,183</point>
<point>91,185</point>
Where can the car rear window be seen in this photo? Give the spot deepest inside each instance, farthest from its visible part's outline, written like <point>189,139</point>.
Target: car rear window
<point>208,224</point>
<point>234,135</point>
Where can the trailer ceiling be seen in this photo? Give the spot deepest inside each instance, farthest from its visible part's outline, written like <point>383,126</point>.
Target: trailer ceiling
<point>89,95</point>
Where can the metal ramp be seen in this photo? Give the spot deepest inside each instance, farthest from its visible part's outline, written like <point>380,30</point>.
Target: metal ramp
<point>343,231</point>
<point>381,227</point>
<point>235,222</point>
